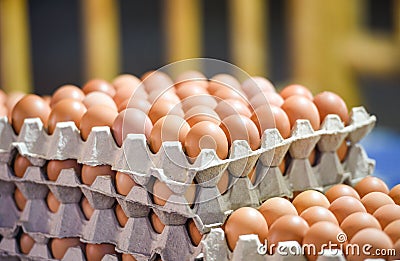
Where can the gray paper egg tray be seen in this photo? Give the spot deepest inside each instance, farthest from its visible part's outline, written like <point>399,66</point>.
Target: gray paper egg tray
<point>171,167</point>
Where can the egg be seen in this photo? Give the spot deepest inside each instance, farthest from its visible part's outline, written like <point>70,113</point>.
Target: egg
<point>345,206</point>
<point>3,97</point>
<point>396,247</point>
<point>301,108</point>
<point>26,243</point>
<point>124,80</point>
<point>358,221</point>
<point>238,127</point>
<point>393,230</point>
<point>54,168</point>
<point>12,99</point>
<point>340,190</point>
<point>201,113</point>
<point>133,121</point>
<point>90,173</point>
<point>161,193</point>
<point>387,214</point>
<point>320,234</point>
<point>233,94</point>
<point>166,95</point>
<point>223,183</point>
<point>158,226</point>
<point>370,184</point>
<point>313,157</point>
<point>156,80</point>
<point>96,116</point>
<point>287,228</point>
<point>99,98</point>
<point>127,257</point>
<point>30,106</point>
<point>168,128</point>
<point>269,117</point>
<point>245,221</point>
<point>52,202</point>
<point>255,85</point>
<point>136,103</point>
<point>374,200</point>
<point>95,252</point>
<point>3,111</point>
<point>206,135</point>
<point>125,92</point>
<point>20,200</point>
<point>86,208</point>
<point>395,194</point>
<point>66,110</point>
<point>376,239</point>
<point>331,103</point>
<point>59,246</point>
<point>21,164</point>
<point>191,77</point>
<point>229,107</point>
<point>203,100</point>
<point>121,216</point>
<point>161,108</point>
<point>309,198</point>
<point>296,89</point>
<point>276,207</point>
<point>222,82</point>
<point>190,89</point>
<point>98,85</point>
<point>194,233</point>
<point>123,183</point>
<point>67,92</point>
<point>316,214</point>
<point>266,98</point>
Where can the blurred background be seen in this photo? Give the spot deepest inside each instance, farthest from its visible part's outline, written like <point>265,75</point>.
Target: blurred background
<point>349,47</point>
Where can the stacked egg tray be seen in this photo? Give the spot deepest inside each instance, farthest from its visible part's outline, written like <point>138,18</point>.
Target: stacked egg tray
<point>171,167</point>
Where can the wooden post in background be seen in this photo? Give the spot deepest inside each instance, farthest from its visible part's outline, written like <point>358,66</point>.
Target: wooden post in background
<point>15,46</point>
<point>248,30</point>
<point>101,38</point>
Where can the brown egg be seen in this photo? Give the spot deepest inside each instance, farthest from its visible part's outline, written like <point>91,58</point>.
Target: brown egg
<point>161,193</point>
<point>230,107</point>
<point>132,121</point>
<point>223,182</point>
<point>66,110</point>
<point>374,200</point>
<point>161,108</point>
<point>345,206</point>
<point>95,252</point>
<point>395,194</point>
<point>127,257</point>
<point>387,214</point>
<point>313,157</point>
<point>90,173</point>
<point>121,217</point>
<point>238,127</point>
<point>255,85</point>
<point>276,207</point>
<point>124,183</point>
<point>158,226</point>
<point>86,208</point>
<point>30,106</point>
<point>47,99</point>
<point>194,233</point>
<point>98,85</point>
<point>21,163</point>
<point>201,113</point>
<point>396,247</point>
<point>123,93</point>
<point>168,95</point>
<point>222,82</point>
<point>125,79</point>
<point>203,100</point>
<point>316,214</point>
<point>206,135</point>
<point>266,98</point>
<point>54,168</point>
<point>59,246</point>
<point>67,92</point>
<point>20,200</point>
<point>98,115</point>
<point>136,103</point>
<point>245,221</point>
<point>26,243</point>
<point>191,77</point>
<point>296,89</point>
<point>340,190</point>
<point>331,103</point>
<point>370,184</point>
<point>156,80</point>
<point>309,198</point>
<point>99,98</point>
<point>301,108</point>
<point>190,89</point>
<point>393,230</point>
<point>287,228</point>
<point>232,94</point>
<point>168,128</point>
<point>52,202</point>
<point>12,99</point>
<point>323,233</point>
<point>269,117</point>
<point>358,221</point>
<point>375,238</point>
